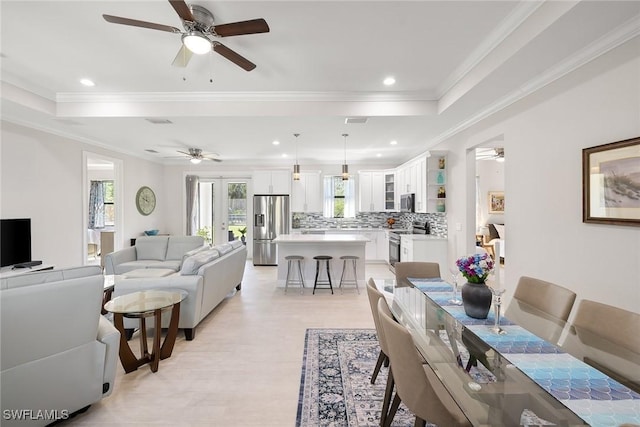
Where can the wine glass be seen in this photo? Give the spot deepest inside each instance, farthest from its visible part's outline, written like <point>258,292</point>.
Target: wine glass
<point>497,302</point>
<point>455,272</point>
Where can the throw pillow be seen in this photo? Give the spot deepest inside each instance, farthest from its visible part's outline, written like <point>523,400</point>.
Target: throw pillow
<point>192,264</point>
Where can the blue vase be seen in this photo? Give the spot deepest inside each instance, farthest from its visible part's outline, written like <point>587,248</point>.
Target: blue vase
<point>440,177</point>
<point>476,299</point>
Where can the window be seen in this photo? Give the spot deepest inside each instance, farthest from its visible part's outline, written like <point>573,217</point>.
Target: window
<point>339,197</point>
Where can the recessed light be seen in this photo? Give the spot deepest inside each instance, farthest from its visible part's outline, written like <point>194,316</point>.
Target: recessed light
<point>87,82</point>
<point>389,81</point>
<point>276,142</point>
<point>284,154</point>
<point>394,142</point>
<point>378,155</point>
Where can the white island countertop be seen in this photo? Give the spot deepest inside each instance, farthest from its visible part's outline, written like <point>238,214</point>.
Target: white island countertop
<point>321,238</point>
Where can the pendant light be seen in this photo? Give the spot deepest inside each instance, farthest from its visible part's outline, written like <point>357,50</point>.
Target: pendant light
<point>296,166</point>
<point>345,166</point>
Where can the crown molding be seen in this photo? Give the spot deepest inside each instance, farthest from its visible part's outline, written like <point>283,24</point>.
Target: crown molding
<point>517,16</point>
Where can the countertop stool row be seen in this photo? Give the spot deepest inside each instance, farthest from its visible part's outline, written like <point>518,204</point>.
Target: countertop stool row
<point>323,272</point>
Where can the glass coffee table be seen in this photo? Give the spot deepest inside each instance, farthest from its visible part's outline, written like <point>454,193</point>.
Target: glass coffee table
<point>140,305</point>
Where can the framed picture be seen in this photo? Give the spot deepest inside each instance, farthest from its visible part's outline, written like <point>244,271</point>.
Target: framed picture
<point>611,183</point>
<point>496,202</point>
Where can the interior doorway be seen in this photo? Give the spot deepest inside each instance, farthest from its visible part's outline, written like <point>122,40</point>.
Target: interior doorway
<point>490,199</point>
<point>223,209</point>
<point>101,207</point>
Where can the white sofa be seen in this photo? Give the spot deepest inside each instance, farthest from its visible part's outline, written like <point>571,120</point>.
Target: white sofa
<point>58,353</point>
<point>208,276</point>
<point>152,252</point>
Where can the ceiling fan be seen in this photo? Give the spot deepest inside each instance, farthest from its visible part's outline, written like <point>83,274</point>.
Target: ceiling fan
<point>195,156</point>
<point>199,29</point>
<point>490,153</point>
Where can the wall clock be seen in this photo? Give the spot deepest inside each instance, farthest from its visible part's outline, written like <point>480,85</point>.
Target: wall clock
<point>145,200</point>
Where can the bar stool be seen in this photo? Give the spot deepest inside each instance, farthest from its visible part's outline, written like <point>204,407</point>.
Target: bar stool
<point>352,259</point>
<point>323,260</point>
<point>294,261</point>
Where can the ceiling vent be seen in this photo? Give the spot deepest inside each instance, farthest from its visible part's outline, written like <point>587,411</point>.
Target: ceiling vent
<point>159,121</point>
<point>355,120</point>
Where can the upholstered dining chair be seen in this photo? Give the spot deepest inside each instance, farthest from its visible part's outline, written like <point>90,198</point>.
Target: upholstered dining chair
<point>374,297</point>
<point>416,384</point>
<point>607,338</point>
<point>541,307</point>
<point>416,269</point>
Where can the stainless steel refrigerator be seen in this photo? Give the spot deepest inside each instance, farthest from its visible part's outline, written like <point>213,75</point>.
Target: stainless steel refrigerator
<point>270,219</point>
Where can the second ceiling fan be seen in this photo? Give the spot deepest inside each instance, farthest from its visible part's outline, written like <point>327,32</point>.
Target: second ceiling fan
<point>200,32</point>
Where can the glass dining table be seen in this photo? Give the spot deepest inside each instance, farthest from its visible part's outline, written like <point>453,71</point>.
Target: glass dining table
<point>509,377</point>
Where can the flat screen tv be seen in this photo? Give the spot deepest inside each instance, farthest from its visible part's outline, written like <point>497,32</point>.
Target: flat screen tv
<point>15,241</point>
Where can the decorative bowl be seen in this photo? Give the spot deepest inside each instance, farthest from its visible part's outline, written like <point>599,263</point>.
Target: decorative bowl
<point>151,232</point>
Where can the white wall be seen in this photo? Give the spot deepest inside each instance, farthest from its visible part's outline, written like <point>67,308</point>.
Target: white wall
<point>41,178</point>
<point>491,178</point>
<point>544,135</point>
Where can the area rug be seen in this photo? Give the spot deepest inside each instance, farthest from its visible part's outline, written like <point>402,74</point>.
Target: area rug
<point>335,386</point>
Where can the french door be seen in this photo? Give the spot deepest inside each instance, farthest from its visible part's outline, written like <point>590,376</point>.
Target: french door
<point>222,209</point>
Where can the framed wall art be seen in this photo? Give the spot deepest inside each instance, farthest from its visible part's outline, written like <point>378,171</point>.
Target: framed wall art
<point>496,202</point>
<point>611,183</point>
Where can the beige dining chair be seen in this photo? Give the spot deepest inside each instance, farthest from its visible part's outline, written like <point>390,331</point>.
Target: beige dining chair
<point>607,338</point>
<point>416,269</point>
<point>374,297</point>
<point>417,386</point>
<point>541,307</point>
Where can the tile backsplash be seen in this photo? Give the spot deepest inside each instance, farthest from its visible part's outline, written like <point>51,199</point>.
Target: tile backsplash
<point>437,221</point>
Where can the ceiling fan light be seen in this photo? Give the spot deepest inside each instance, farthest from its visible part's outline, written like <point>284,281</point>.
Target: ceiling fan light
<point>195,160</point>
<point>196,42</point>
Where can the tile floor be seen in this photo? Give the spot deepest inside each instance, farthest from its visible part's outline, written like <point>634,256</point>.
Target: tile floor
<point>243,368</point>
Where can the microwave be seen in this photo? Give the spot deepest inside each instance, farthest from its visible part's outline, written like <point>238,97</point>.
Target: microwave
<point>408,202</point>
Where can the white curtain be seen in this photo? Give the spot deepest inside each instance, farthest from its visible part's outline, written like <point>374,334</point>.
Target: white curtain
<point>329,192</point>
<point>350,198</point>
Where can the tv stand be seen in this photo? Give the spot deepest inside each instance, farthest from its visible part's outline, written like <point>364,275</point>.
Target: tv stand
<point>11,271</point>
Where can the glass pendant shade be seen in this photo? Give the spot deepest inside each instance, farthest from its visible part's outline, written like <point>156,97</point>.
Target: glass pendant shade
<point>296,172</point>
<point>345,172</point>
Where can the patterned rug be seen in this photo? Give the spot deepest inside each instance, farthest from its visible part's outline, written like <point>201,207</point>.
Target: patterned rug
<point>335,387</point>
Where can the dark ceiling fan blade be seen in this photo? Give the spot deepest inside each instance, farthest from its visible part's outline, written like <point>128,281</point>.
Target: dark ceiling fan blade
<point>143,24</point>
<point>213,159</point>
<point>254,26</point>
<point>182,10</point>
<point>233,56</point>
<point>182,58</point>
<point>185,153</point>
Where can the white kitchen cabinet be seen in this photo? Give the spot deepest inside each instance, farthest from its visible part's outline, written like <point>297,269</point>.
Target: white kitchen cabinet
<point>371,191</point>
<point>412,178</point>
<point>272,182</point>
<point>426,249</point>
<point>390,193</point>
<point>306,193</point>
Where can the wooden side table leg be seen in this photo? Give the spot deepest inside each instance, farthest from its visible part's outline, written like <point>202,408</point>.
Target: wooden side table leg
<point>172,333</point>
<point>127,358</point>
<point>157,336</point>
<point>144,350</point>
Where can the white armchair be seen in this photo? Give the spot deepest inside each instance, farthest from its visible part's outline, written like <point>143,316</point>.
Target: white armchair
<point>58,354</point>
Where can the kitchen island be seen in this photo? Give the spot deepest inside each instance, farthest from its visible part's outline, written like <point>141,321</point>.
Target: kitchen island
<point>310,245</point>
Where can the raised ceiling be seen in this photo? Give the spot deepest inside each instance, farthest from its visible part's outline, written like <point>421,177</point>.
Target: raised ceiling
<point>455,62</point>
